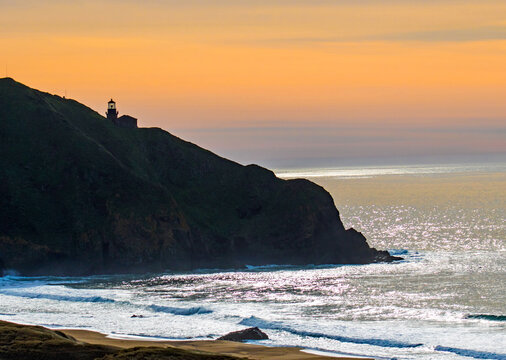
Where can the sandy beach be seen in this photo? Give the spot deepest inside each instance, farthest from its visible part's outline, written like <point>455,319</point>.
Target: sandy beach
<point>30,342</point>
<point>250,351</point>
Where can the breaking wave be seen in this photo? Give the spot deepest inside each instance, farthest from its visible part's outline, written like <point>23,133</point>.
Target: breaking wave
<point>487,317</point>
<point>472,353</point>
<point>397,252</point>
<point>179,311</point>
<point>99,299</point>
<point>31,295</point>
<point>274,325</point>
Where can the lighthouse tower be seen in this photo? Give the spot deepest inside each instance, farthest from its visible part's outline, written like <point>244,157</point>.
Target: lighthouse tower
<point>112,113</point>
<point>123,121</point>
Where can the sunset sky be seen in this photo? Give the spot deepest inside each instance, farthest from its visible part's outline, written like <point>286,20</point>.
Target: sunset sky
<point>279,83</point>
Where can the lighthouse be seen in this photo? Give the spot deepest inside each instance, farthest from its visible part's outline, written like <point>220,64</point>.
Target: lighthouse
<point>112,113</point>
<point>123,121</point>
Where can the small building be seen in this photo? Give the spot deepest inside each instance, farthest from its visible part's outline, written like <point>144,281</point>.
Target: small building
<point>123,121</point>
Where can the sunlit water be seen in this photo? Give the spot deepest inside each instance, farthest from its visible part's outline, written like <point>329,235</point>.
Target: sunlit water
<point>446,300</point>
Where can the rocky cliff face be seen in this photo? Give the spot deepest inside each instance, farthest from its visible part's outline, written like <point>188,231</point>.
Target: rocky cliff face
<point>82,196</point>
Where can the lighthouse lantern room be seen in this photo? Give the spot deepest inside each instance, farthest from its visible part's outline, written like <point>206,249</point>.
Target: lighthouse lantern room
<point>112,113</point>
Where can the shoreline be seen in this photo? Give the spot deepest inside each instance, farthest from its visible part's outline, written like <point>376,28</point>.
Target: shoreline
<point>34,342</point>
<point>215,347</point>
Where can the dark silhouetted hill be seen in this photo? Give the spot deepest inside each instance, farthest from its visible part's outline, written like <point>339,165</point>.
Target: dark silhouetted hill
<point>80,195</point>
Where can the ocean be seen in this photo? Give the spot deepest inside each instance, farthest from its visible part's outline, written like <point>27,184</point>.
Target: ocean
<point>445,300</point>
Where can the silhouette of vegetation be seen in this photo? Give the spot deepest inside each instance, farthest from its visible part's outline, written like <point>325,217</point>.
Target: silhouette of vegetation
<point>80,195</point>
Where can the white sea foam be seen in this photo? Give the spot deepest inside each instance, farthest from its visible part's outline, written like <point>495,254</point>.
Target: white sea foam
<point>444,301</point>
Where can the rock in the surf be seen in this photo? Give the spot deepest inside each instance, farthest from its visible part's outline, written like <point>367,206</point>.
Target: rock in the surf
<point>253,333</point>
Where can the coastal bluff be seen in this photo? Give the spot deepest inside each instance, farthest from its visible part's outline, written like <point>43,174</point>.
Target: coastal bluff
<point>79,196</point>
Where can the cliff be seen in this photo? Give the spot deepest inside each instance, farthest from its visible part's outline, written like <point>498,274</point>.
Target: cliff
<point>82,196</point>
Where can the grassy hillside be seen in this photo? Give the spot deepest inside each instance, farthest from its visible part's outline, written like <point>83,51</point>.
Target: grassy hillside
<point>80,195</point>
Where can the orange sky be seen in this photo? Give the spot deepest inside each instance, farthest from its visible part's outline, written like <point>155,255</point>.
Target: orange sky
<point>397,66</point>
